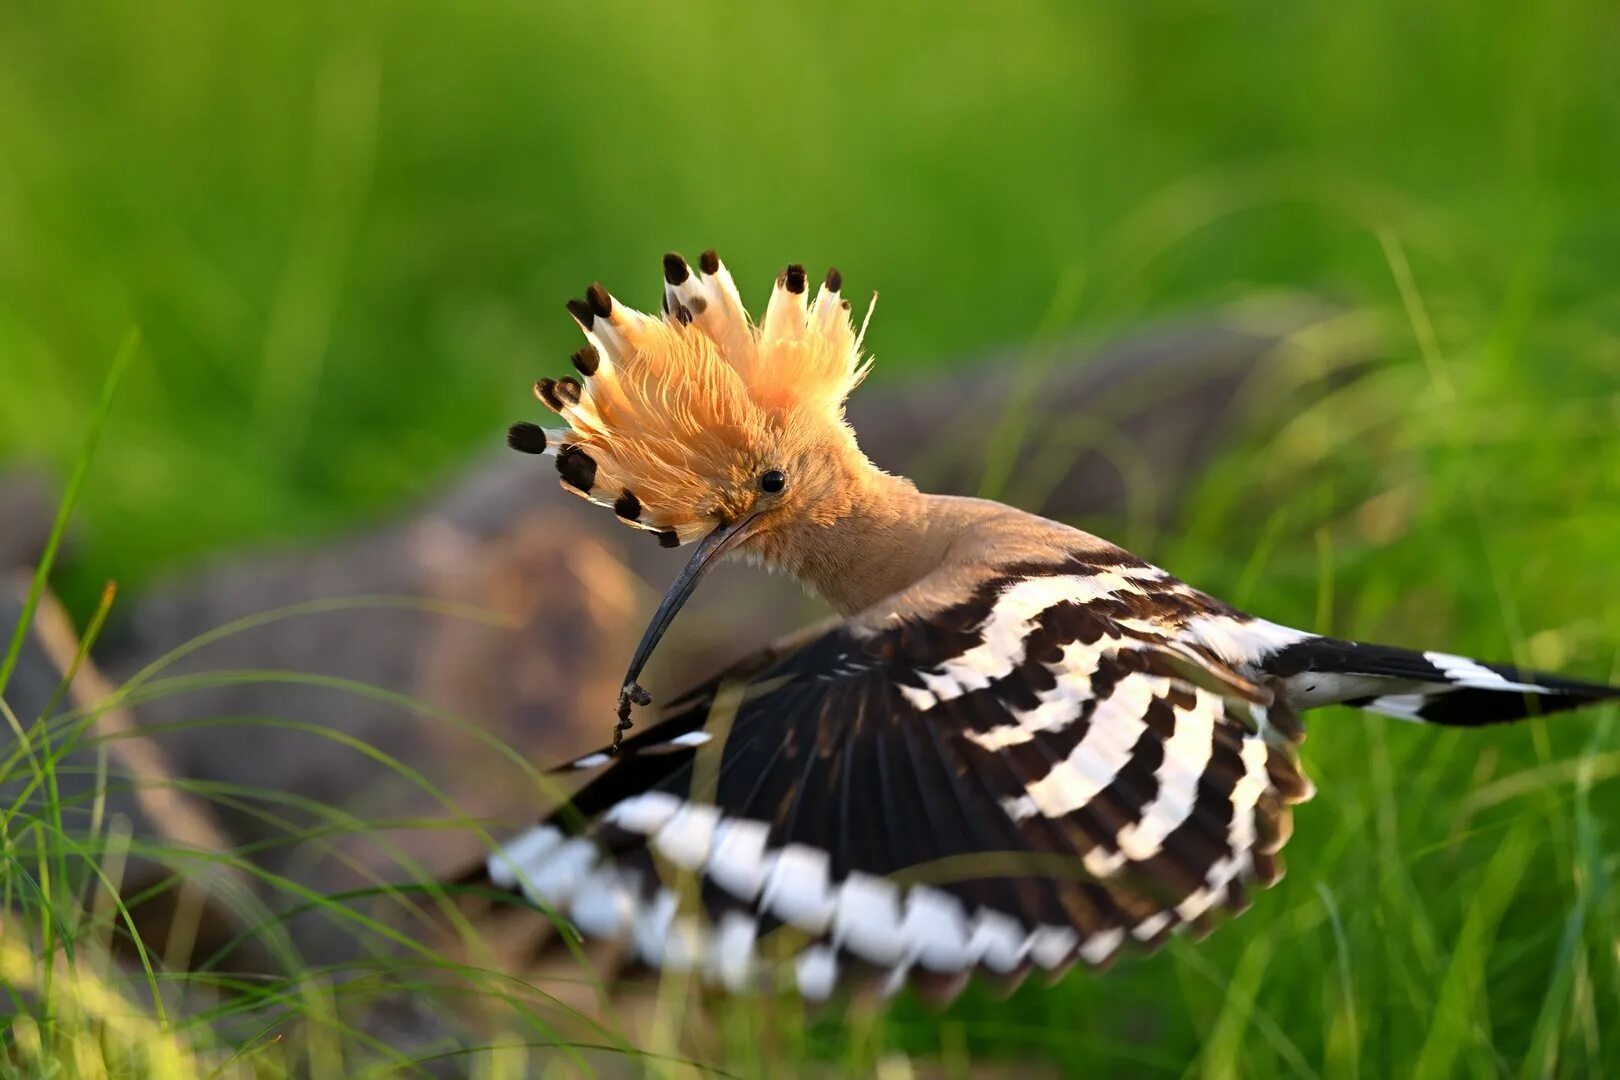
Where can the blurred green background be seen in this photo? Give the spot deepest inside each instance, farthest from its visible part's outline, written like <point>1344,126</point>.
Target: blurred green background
<point>346,233</point>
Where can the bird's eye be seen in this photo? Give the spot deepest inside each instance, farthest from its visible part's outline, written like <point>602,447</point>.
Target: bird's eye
<point>772,481</point>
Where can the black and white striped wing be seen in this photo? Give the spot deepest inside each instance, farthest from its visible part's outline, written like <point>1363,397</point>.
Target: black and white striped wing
<point>1036,776</point>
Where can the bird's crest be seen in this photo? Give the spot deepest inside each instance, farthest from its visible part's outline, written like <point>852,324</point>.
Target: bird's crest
<point>670,411</point>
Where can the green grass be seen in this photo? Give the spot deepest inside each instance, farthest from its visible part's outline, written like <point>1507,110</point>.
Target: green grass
<point>346,232</point>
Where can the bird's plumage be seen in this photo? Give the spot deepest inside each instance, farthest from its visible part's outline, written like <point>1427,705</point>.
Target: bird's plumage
<point>1020,748</point>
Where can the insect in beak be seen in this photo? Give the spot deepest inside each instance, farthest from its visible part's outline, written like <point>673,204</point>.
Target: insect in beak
<point>726,535</point>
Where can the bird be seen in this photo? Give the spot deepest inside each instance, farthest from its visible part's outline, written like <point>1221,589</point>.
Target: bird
<point>1014,748</point>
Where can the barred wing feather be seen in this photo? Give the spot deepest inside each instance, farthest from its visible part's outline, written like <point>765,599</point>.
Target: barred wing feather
<point>1040,774</point>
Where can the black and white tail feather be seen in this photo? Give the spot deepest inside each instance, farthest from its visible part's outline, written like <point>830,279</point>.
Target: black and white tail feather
<point>1432,687</point>
<point>1077,757</point>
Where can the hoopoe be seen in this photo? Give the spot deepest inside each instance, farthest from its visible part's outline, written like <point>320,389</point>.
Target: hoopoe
<point>1018,746</point>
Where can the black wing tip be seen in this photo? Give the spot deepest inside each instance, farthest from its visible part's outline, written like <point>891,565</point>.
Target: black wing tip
<point>1470,706</point>
<point>1440,676</point>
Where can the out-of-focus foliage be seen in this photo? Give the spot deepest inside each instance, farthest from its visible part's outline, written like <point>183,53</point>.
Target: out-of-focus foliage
<point>346,230</point>
<point>346,233</point>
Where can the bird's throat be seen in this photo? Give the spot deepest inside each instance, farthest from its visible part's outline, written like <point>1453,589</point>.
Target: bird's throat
<point>880,544</point>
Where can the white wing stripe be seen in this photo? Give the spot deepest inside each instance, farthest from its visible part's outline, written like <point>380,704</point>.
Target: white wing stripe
<point>816,971</point>
<point>523,856</point>
<point>737,863</point>
<point>1101,945</point>
<point>936,929</point>
<point>1462,671</point>
<point>1186,755</point>
<point>688,837</point>
<point>1240,833</point>
<point>604,906</point>
<point>554,879</point>
<point>797,889</point>
<point>644,813</point>
<point>1241,643</point>
<point>867,919</point>
<point>1005,630</point>
<point>1403,706</point>
<point>1059,706</point>
<point>1096,760</point>
<point>731,957</point>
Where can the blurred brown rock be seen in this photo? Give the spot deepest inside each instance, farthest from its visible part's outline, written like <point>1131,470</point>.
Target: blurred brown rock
<point>27,509</point>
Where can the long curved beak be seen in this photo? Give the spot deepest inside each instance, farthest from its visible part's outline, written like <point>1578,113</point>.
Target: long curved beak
<point>725,536</point>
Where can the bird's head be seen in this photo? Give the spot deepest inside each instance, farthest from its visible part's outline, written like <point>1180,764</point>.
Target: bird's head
<point>702,426</point>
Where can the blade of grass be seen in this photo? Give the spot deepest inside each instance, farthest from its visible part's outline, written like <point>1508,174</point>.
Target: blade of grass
<point>1454,1025</point>
<point>1343,1042</point>
<point>81,466</point>
<point>57,637</point>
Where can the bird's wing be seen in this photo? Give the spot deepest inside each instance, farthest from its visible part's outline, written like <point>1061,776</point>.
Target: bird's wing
<point>1040,774</point>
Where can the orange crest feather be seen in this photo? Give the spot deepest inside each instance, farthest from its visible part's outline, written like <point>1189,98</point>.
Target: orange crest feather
<point>674,410</point>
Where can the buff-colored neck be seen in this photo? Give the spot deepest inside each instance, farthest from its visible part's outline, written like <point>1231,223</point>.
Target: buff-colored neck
<point>878,546</point>
<point>880,539</point>
<point>889,539</point>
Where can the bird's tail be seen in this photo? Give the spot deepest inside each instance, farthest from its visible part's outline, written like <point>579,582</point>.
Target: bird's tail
<point>1434,687</point>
